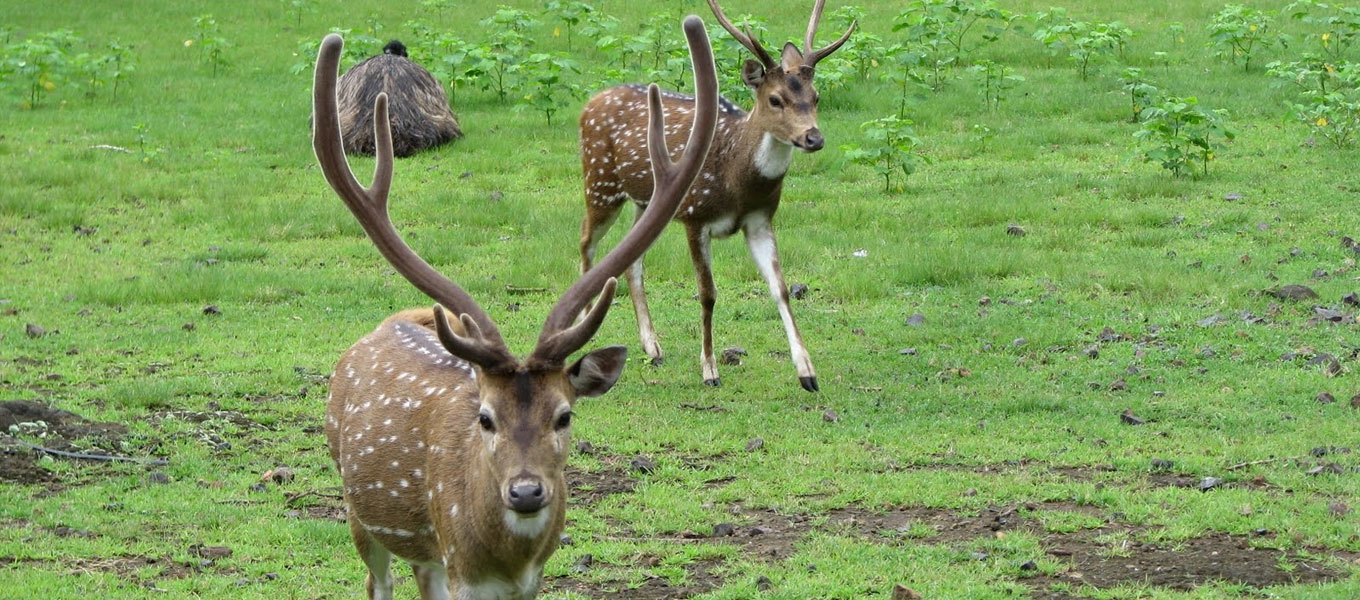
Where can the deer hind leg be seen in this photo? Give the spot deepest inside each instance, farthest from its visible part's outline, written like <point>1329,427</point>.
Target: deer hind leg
<point>601,211</point>
<point>760,239</point>
<point>638,293</point>
<point>376,558</point>
<point>433,580</point>
<point>708,296</point>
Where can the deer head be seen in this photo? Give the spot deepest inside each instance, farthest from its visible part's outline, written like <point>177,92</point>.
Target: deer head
<point>512,448</point>
<point>785,99</point>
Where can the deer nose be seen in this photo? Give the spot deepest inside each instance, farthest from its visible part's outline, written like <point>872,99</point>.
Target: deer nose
<point>813,140</point>
<point>526,495</point>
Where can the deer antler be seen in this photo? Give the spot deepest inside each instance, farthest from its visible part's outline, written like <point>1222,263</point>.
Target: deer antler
<point>369,205</point>
<point>671,180</point>
<point>810,56</point>
<point>745,38</point>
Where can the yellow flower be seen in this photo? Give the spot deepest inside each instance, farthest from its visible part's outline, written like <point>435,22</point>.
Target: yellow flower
<point>557,32</point>
<point>1326,37</point>
<point>1322,122</point>
<point>49,86</point>
<point>1253,28</point>
<point>188,43</point>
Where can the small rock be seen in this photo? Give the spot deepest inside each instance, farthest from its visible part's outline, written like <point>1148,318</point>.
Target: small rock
<point>212,309</point>
<point>1015,230</point>
<point>1207,352</point>
<point>565,540</point>
<point>1029,565</point>
<point>1330,365</point>
<point>970,492</point>
<point>642,464</point>
<point>1338,508</point>
<point>798,291</point>
<point>830,416</point>
<point>1178,219</point>
<point>978,556</point>
<point>1018,342</point>
<point>984,301</point>
<point>188,326</point>
<point>1119,385</point>
<point>1233,197</point>
<point>210,552</point>
<point>1210,321</point>
<point>585,447</point>
<point>755,444</point>
<point>916,320</point>
<point>763,583</point>
<point>1091,351</point>
<point>1321,274</point>
<point>1128,417</point>
<point>1325,398</point>
<point>257,487</point>
<point>907,351</point>
<point>732,355</point>
<point>157,477</point>
<point>1351,299</point>
<point>1355,401</point>
<point>496,195</point>
<point>902,592</point>
<point>1162,464</point>
<point>1328,314</point>
<point>34,331</point>
<point>1297,293</point>
<point>1209,483</point>
<point>279,475</point>
<point>583,563</point>
<point>724,530</point>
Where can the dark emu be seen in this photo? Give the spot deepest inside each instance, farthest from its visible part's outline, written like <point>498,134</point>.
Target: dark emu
<point>420,112</point>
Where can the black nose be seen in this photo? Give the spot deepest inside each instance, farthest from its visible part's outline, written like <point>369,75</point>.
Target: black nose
<point>813,141</point>
<point>526,495</point>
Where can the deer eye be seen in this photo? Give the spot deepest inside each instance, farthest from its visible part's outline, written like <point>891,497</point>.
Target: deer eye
<point>774,101</point>
<point>563,421</point>
<point>485,421</point>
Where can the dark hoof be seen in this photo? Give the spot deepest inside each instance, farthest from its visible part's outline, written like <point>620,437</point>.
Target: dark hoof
<point>809,383</point>
<point>712,382</point>
<point>657,361</point>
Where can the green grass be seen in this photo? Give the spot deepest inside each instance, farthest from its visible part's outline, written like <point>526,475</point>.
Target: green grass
<point>233,212</point>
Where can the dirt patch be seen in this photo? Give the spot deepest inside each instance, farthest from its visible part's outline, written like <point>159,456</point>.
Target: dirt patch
<point>141,569</point>
<point>700,579</point>
<point>1123,560</point>
<point>51,428</point>
<point>588,487</point>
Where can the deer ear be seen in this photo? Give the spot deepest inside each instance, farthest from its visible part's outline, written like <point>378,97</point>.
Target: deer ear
<point>792,57</point>
<point>598,371</point>
<point>753,73</point>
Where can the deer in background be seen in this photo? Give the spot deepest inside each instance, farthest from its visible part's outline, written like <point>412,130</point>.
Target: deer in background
<point>738,189</point>
<point>451,450</point>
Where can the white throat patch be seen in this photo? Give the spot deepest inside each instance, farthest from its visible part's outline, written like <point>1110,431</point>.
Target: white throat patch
<point>773,157</point>
<point>527,527</point>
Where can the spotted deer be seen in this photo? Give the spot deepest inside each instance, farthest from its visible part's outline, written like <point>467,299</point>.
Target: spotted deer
<point>739,187</point>
<point>451,450</point>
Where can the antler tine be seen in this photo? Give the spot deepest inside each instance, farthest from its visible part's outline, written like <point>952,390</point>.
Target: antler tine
<point>369,205</point>
<point>671,180</point>
<point>810,56</point>
<point>745,38</point>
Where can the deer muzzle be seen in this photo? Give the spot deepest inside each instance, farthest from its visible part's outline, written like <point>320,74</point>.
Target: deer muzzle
<point>527,495</point>
<point>811,140</point>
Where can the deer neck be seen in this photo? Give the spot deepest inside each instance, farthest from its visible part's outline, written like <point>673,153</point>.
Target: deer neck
<point>766,157</point>
<point>512,549</point>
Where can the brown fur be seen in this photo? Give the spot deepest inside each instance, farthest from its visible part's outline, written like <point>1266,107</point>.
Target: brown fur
<point>421,118</point>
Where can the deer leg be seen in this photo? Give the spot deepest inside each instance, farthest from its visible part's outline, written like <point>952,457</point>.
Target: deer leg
<point>760,239</point>
<point>376,558</point>
<point>638,293</point>
<point>433,580</point>
<point>708,295</point>
<point>600,215</point>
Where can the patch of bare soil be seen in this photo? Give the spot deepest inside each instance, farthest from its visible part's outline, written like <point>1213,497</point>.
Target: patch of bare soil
<point>700,579</point>
<point>588,487</point>
<point>127,566</point>
<point>1181,565</point>
<point>60,430</point>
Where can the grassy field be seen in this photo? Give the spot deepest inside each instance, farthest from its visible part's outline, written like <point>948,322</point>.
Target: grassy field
<point>976,451</point>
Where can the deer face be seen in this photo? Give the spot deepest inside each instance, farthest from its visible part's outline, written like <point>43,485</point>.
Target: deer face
<point>786,101</point>
<point>524,422</point>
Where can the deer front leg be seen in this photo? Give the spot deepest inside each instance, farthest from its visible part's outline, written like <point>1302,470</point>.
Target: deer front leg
<point>638,293</point>
<point>433,580</point>
<point>760,239</point>
<point>703,268</point>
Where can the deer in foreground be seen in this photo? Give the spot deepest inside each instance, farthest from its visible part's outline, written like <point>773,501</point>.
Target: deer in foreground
<point>451,450</point>
<point>740,185</point>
